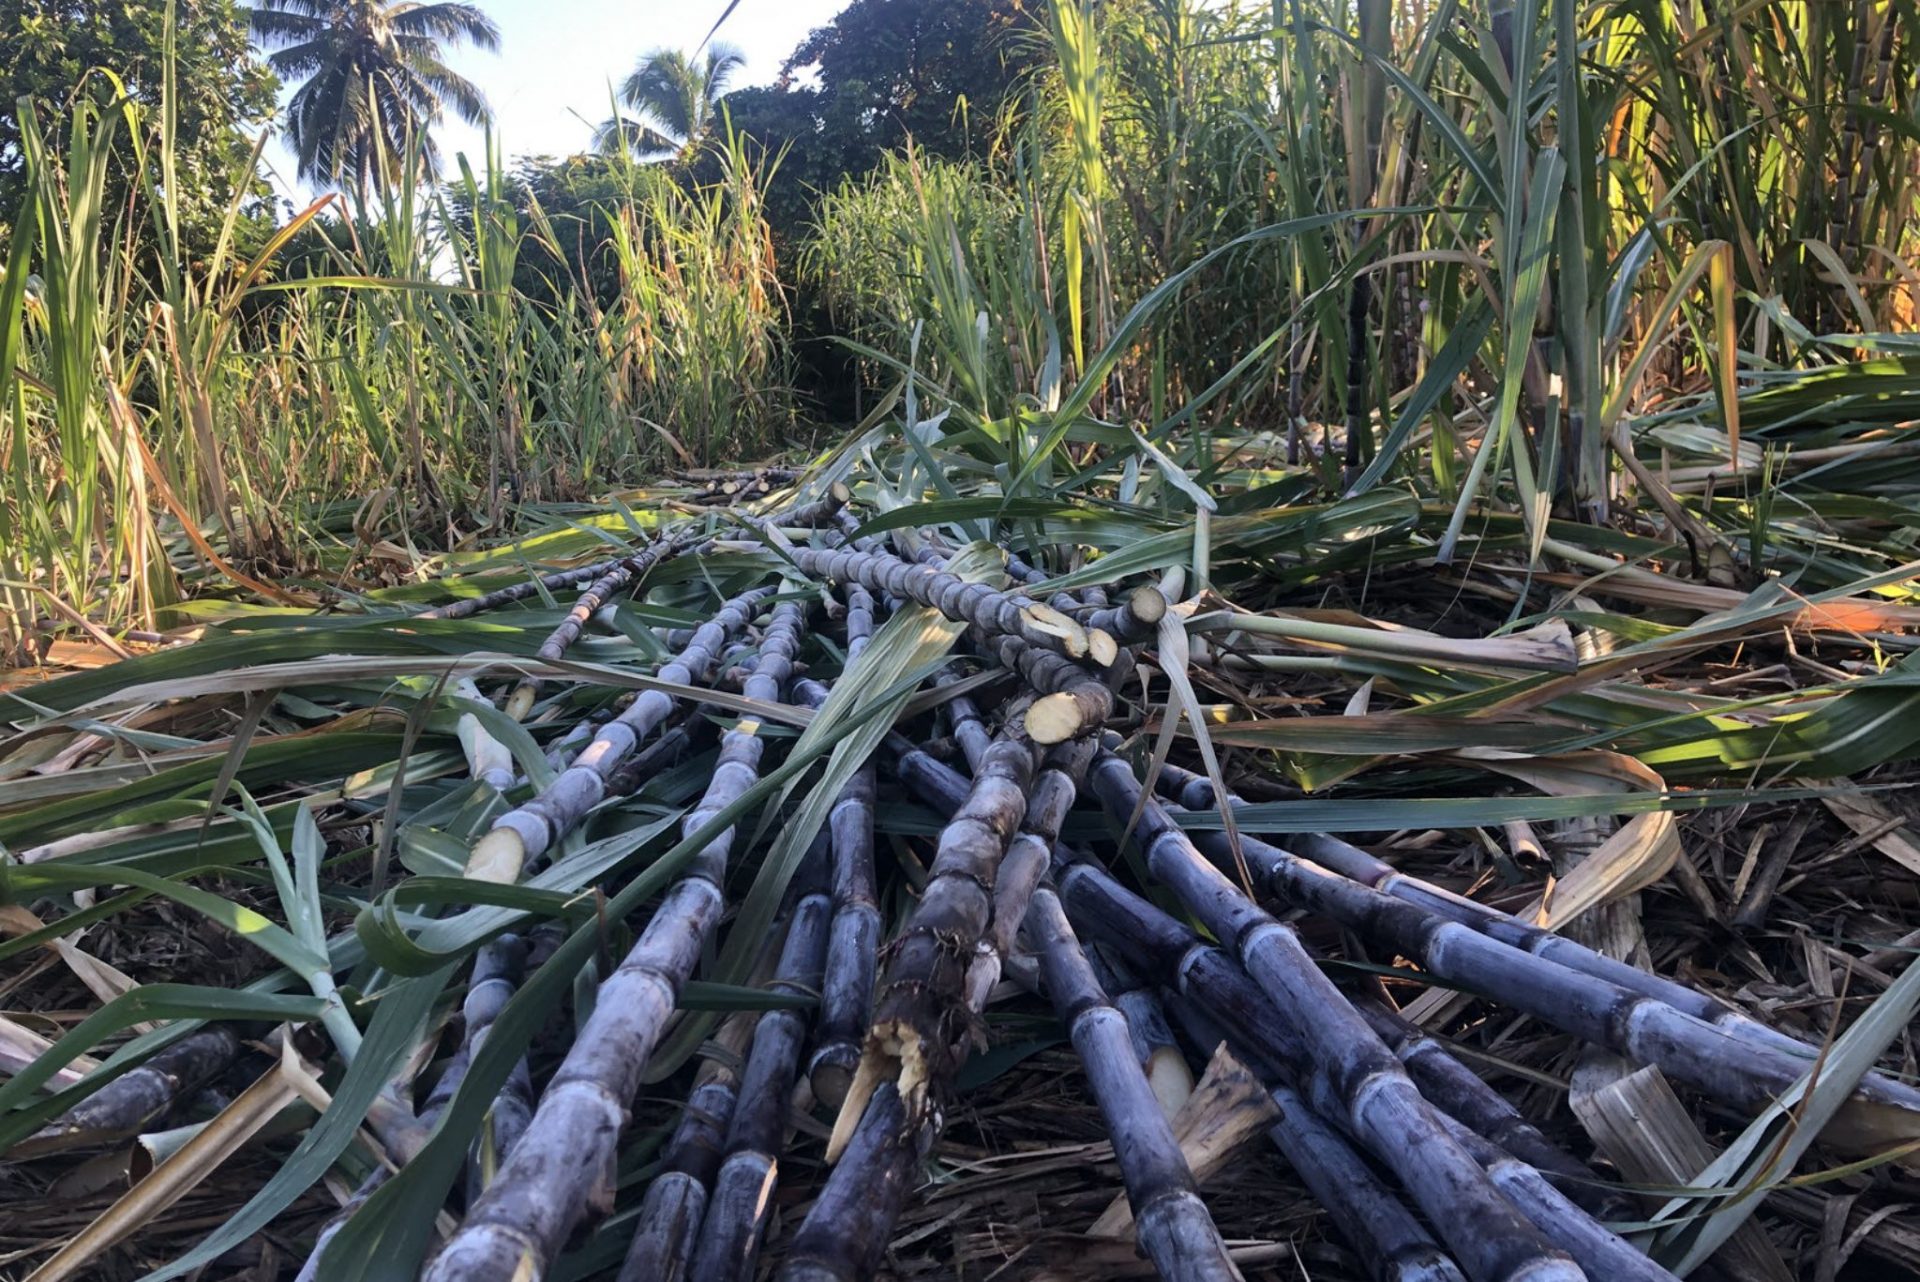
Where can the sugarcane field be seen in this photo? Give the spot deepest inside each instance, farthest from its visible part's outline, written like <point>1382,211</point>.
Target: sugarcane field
<point>959,640</point>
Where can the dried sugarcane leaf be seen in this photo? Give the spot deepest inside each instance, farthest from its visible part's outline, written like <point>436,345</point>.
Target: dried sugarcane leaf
<point>177,1175</point>
<point>1637,855</point>
<point>1767,1150</point>
<point>1860,812</point>
<point>1229,1108</point>
<point>1635,1118</point>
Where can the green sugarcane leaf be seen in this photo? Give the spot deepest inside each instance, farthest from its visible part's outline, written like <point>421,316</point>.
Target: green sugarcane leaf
<point>1766,1152</point>
<point>707,995</point>
<point>20,882</point>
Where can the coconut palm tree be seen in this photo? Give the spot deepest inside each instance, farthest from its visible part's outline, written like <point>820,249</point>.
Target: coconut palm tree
<point>374,78</point>
<point>675,101</point>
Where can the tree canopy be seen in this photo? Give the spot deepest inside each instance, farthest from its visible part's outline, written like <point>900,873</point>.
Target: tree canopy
<point>374,77</point>
<point>48,48</point>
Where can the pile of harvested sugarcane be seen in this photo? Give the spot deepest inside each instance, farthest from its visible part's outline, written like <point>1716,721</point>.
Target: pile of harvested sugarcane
<point>1072,864</point>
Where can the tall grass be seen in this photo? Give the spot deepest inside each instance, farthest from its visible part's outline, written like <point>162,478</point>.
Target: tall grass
<point>369,376</point>
<point>1479,250</point>
<point>1512,258</point>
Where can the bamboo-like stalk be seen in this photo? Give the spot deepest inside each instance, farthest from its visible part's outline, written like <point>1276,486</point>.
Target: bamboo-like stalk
<point>663,753</point>
<point>1464,1094</point>
<point>1153,1042</point>
<point>989,609</point>
<point>1594,1247</point>
<point>1485,1232</point>
<point>1326,1042</point>
<point>921,1018</point>
<point>1172,1223</point>
<point>498,969</point>
<point>965,722</point>
<point>563,1166</point>
<point>920,1032</point>
<point>844,1235</point>
<point>136,1097</point>
<point>1391,1243</point>
<point>666,1228</point>
<point>628,571</point>
<point>1074,701</point>
<point>526,831</point>
<point>1025,865</point>
<point>853,940</point>
<point>470,606</point>
<point>1745,1073</point>
<point>1136,619</point>
<point>737,1212</point>
<point>1328,853</point>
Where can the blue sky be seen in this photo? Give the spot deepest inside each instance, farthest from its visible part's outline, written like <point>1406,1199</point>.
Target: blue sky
<point>557,58</point>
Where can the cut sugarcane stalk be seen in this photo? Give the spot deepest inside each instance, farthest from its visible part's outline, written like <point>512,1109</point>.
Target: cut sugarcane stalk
<point>136,1097</point>
<point>921,1016</point>
<point>1153,1043</point>
<point>1172,1223</point>
<point>737,1213</point>
<point>1740,1072</point>
<point>563,1166</point>
<point>1028,856</point>
<point>667,1227</point>
<point>853,941</point>
<point>1392,1244</point>
<point>525,832</point>
<point>1324,1040</point>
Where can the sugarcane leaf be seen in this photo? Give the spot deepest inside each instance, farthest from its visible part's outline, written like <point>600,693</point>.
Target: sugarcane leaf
<point>996,1062</point>
<point>491,907</point>
<point>707,995</point>
<point>246,924</point>
<point>1449,363</point>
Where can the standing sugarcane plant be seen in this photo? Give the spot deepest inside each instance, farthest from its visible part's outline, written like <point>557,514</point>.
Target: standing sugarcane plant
<point>563,1166</point>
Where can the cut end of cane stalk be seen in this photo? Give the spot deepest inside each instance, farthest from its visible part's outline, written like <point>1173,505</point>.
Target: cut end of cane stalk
<point>894,1054</point>
<point>1171,1080</point>
<point>520,702</point>
<point>1149,604</point>
<point>832,1083</point>
<point>1102,648</point>
<point>1073,637</point>
<point>497,857</point>
<point>1056,718</point>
